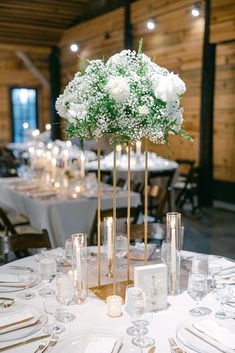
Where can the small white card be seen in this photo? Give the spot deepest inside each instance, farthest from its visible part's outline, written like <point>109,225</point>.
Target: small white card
<point>153,280</point>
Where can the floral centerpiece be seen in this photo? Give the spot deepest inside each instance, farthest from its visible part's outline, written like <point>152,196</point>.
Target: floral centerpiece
<point>126,98</point>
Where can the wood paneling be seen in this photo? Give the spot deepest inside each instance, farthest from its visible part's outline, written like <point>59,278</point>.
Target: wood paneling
<point>224,118</point>
<point>14,73</point>
<point>222,27</point>
<point>37,22</point>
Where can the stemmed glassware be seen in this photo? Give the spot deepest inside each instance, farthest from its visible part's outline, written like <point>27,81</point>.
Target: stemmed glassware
<point>68,251</point>
<point>53,308</point>
<point>214,271</point>
<point>121,249</point>
<point>197,289</point>
<point>139,317</point>
<point>27,278</point>
<point>222,293</point>
<point>47,268</point>
<point>65,295</point>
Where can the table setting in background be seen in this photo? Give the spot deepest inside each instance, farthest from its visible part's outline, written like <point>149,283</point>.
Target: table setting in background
<point>60,316</point>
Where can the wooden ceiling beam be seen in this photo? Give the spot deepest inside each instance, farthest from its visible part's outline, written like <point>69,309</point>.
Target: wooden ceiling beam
<point>33,69</point>
<point>19,47</point>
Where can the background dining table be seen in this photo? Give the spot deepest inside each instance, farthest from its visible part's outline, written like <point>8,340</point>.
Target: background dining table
<point>91,316</point>
<point>61,216</point>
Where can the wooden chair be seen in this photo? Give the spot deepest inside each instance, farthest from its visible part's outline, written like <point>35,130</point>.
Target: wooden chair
<point>120,212</point>
<point>7,225</point>
<point>137,231</point>
<point>159,193</point>
<point>186,169</point>
<point>19,243</point>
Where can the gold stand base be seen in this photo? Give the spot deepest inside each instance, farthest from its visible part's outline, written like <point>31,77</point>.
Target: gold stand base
<point>107,289</point>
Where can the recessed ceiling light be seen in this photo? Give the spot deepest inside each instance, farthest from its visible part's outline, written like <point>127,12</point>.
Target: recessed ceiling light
<point>74,47</point>
<point>151,24</point>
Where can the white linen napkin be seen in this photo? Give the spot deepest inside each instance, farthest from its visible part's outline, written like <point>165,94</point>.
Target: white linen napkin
<point>15,318</point>
<point>103,345</point>
<point>217,336</point>
<point>9,278</point>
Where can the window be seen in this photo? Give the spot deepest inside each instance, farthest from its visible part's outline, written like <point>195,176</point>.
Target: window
<point>24,112</point>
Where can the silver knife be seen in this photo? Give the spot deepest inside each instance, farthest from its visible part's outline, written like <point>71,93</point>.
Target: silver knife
<point>18,344</point>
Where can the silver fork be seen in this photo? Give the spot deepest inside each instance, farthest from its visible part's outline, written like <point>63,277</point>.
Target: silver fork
<point>174,347</point>
<point>40,347</point>
<point>51,343</point>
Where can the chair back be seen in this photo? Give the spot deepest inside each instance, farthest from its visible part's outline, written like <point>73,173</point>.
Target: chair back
<point>21,242</point>
<point>120,213</point>
<point>161,191</point>
<point>6,223</point>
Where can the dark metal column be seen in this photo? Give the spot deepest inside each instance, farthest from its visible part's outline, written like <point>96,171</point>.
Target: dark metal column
<point>54,65</point>
<point>128,27</point>
<point>207,111</point>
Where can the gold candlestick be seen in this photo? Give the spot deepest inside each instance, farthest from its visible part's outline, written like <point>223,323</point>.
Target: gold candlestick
<point>109,274</point>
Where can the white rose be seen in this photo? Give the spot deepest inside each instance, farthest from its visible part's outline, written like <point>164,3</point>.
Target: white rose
<point>143,110</point>
<point>118,88</point>
<point>76,111</point>
<point>169,87</point>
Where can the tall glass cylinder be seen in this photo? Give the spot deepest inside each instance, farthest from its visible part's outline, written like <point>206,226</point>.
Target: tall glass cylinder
<point>108,244</point>
<point>80,266</point>
<point>173,227</point>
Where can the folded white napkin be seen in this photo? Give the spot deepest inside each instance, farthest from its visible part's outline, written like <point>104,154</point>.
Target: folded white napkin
<point>12,318</point>
<point>9,278</point>
<point>214,334</point>
<point>101,345</point>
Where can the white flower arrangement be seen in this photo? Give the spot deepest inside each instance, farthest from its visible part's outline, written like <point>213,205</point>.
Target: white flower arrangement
<point>126,98</point>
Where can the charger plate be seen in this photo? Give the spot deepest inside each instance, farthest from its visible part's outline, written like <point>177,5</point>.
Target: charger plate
<point>79,342</point>
<point>40,319</point>
<point>187,339</point>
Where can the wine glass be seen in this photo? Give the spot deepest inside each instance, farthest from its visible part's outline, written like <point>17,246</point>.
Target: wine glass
<point>200,264</point>
<point>47,268</point>
<point>222,293</point>
<point>68,252</point>
<point>27,278</point>
<point>65,294</point>
<point>139,316</point>
<point>197,289</point>
<point>214,271</point>
<point>53,308</point>
<point>121,249</point>
<point>132,330</point>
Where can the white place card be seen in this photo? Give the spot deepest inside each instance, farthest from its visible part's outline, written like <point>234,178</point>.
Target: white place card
<point>153,281</point>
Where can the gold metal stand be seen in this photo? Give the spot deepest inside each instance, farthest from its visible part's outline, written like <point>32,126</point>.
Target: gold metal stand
<point>114,216</point>
<point>128,210</point>
<point>146,202</point>
<point>98,215</point>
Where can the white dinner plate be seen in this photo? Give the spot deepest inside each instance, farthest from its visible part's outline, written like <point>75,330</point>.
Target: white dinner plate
<point>36,312</point>
<point>187,339</point>
<point>6,289</point>
<point>79,342</point>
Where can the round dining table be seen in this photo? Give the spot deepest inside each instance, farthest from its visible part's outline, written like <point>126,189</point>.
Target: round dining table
<point>91,316</point>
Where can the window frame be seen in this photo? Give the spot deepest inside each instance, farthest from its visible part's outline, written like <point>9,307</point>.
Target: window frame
<point>11,106</point>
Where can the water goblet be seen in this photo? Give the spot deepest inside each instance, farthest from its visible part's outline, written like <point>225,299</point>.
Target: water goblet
<point>200,264</point>
<point>27,278</point>
<point>68,252</point>
<point>47,269</point>
<point>121,249</point>
<point>65,295</point>
<point>53,308</point>
<point>222,293</point>
<point>132,330</point>
<point>139,317</point>
<point>197,289</point>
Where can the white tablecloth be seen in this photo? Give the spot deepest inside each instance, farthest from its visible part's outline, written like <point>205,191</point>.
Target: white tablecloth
<point>93,315</point>
<point>60,217</point>
<point>155,164</point>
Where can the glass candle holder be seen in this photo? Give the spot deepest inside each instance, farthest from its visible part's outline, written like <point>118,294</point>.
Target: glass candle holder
<point>108,244</point>
<point>114,305</point>
<point>79,264</point>
<point>173,223</point>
